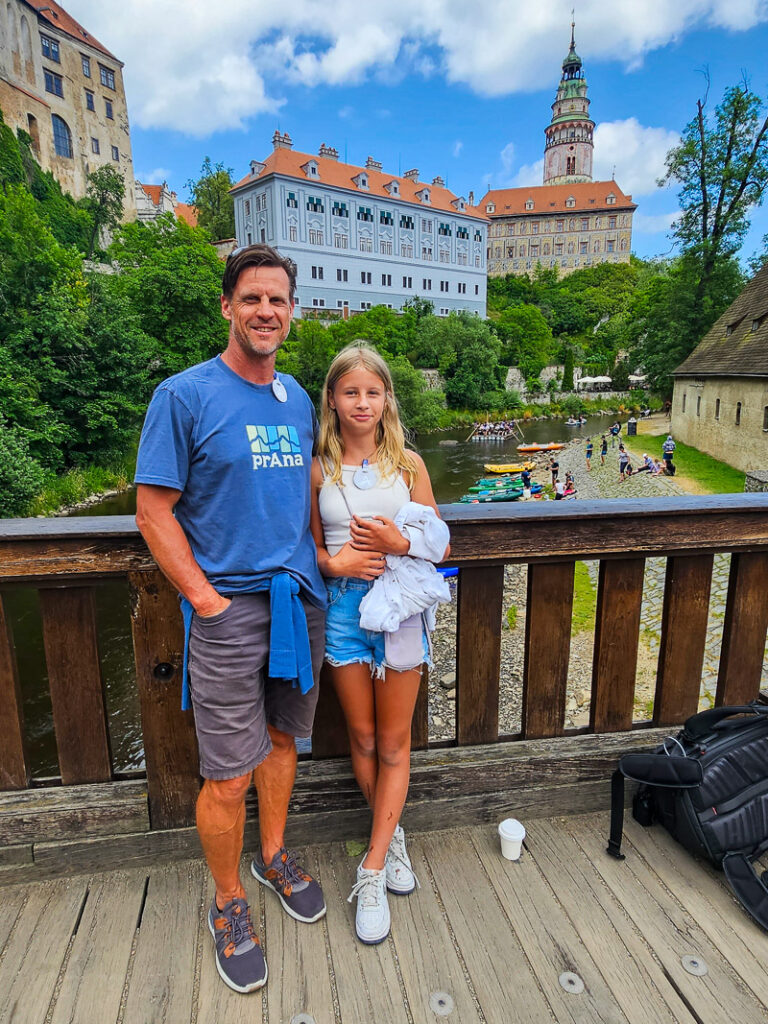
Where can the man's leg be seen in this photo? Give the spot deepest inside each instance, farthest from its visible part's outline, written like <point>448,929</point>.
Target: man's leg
<point>220,823</point>
<point>274,779</point>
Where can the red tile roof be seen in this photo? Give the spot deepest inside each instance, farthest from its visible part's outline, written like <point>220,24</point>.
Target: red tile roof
<point>56,15</point>
<point>288,162</point>
<point>154,192</point>
<point>187,213</point>
<point>589,195</point>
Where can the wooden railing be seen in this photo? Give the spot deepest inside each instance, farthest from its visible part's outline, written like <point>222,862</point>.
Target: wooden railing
<point>64,558</point>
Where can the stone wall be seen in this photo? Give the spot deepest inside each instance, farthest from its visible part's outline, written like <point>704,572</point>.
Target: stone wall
<point>726,417</point>
<point>755,481</point>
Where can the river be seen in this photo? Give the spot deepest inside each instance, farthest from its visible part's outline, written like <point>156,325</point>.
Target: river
<point>452,468</point>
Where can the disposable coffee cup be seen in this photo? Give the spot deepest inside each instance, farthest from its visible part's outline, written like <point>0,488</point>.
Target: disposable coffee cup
<point>511,834</point>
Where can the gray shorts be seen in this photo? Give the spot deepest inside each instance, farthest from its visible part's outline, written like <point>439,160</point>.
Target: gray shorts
<point>232,695</point>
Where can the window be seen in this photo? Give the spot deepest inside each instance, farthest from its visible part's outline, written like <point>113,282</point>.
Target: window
<point>684,398</point>
<point>366,244</point>
<point>426,225</point>
<point>106,77</point>
<point>365,213</point>
<point>315,205</point>
<point>426,252</point>
<point>365,277</point>
<point>341,303</point>
<point>406,250</point>
<point>291,201</point>
<point>462,233</point>
<point>444,229</point>
<point>250,238</point>
<point>477,289</point>
<point>534,227</point>
<point>62,137</point>
<point>611,199</point>
<point>342,275</point>
<point>50,48</point>
<point>738,414</point>
<point>86,63</point>
<point>261,201</point>
<point>262,234</point>
<point>315,236</point>
<point>698,405</point>
<point>292,233</point>
<point>108,109</point>
<point>95,146</point>
<point>318,302</point>
<point>462,287</point>
<point>585,223</point>
<point>340,209</point>
<point>426,284</point>
<point>610,245</point>
<point>478,259</point>
<point>583,248</point>
<point>247,207</point>
<point>53,82</point>
<point>612,222</point>
<point>386,217</point>
<point>89,100</point>
<point>479,237</point>
<point>317,273</point>
<point>407,282</point>
<point>729,330</point>
<point>462,259</point>
<point>445,255</point>
<point>560,225</point>
<point>406,221</point>
<point>558,248</point>
<point>340,241</point>
<point>444,311</point>
<point>765,417</point>
<point>717,409</point>
<point>115,153</point>
<point>365,305</point>
<point>386,280</point>
<point>385,248</point>
<point>756,324</point>
<point>443,286</point>
<point>570,165</point>
<point>570,201</point>
<point>529,204</point>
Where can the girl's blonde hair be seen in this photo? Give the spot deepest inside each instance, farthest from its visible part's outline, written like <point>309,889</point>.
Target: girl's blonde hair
<point>391,454</point>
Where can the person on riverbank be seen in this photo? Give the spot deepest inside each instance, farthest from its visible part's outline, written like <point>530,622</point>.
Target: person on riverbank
<point>615,431</point>
<point>624,465</point>
<point>554,469</point>
<point>603,449</point>
<point>668,449</point>
<point>588,454</point>
<point>373,510</point>
<point>223,502</point>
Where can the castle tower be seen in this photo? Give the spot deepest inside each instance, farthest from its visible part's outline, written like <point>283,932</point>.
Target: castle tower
<point>569,145</point>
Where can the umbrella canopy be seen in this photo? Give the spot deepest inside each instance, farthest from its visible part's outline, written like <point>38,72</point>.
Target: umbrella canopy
<point>601,380</point>
<point>637,376</point>
<point>585,380</point>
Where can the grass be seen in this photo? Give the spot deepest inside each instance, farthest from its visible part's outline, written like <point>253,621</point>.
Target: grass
<point>512,616</point>
<point>584,599</point>
<point>696,471</point>
<point>77,485</point>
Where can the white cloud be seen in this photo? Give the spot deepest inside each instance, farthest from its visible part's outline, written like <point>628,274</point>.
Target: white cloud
<point>634,152</point>
<point>457,147</point>
<point>654,223</point>
<point>199,67</point>
<point>156,177</point>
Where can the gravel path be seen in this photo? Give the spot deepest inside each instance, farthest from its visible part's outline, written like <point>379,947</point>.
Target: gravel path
<point>601,482</point>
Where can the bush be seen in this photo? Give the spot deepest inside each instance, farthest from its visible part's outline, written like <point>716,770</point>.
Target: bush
<point>21,476</point>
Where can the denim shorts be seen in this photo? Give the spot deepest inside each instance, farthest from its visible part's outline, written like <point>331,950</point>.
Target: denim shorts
<point>346,643</point>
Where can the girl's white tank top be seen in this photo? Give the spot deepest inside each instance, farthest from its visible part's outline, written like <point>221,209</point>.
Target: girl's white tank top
<point>385,498</point>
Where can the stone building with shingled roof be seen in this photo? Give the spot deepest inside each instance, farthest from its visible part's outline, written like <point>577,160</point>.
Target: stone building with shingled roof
<point>720,401</point>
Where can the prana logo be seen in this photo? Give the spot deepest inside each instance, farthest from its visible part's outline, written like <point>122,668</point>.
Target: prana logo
<point>274,447</point>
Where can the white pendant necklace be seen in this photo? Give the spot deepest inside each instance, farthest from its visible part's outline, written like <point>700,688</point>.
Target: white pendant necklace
<point>364,478</point>
<point>278,389</point>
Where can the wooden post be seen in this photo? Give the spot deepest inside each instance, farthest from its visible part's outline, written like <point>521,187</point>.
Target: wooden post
<point>744,629</point>
<point>77,691</point>
<point>170,744</point>
<point>14,769</point>
<point>683,638</point>
<point>478,654</point>
<point>617,631</point>
<point>547,647</point>
<point>329,733</point>
<point>420,722</point>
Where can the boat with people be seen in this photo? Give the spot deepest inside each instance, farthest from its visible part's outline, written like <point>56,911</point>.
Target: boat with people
<point>552,446</point>
<point>508,467</point>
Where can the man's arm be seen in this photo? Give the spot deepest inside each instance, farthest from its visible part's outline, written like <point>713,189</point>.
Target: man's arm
<point>170,548</point>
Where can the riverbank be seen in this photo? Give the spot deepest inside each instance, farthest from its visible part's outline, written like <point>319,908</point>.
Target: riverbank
<point>83,487</point>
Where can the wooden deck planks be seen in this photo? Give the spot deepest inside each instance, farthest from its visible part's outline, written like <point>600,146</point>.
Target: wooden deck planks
<point>429,963</point>
<point>671,931</point>
<point>37,948</point>
<point>505,986</point>
<point>161,984</point>
<point>549,940</point>
<point>94,979</point>
<point>625,959</point>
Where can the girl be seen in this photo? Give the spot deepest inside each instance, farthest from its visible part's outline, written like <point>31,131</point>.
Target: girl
<point>361,478</point>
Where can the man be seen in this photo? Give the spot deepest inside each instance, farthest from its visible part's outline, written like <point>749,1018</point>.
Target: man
<point>668,449</point>
<point>615,431</point>
<point>588,454</point>
<point>223,503</point>
<point>603,449</point>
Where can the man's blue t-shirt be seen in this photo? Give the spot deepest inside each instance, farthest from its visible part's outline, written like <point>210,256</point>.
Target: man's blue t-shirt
<point>242,461</point>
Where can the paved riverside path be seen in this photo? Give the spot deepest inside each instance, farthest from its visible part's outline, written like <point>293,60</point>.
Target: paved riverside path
<point>605,482</point>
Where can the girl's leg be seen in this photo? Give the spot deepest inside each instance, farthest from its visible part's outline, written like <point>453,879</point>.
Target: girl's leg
<point>395,697</point>
<point>354,688</point>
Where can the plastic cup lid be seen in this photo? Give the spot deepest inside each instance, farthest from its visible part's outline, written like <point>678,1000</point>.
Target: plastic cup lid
<point>511,828</point>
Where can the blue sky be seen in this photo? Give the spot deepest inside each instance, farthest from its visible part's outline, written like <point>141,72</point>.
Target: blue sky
<point>457,89</point>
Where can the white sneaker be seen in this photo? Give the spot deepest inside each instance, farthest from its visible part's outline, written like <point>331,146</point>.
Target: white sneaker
<point>372,918</point>
<point>400,877</point>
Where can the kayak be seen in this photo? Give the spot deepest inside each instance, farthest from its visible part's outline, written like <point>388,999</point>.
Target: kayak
<point>551,447</point>
<point>489,483</point>
<point>508,467</point>
<point>510,494</point>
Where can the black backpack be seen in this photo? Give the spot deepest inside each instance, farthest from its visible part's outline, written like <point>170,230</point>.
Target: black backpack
<point>708,786</point>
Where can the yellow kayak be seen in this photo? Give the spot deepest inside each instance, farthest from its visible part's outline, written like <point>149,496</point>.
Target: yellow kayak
<point>508,467</point>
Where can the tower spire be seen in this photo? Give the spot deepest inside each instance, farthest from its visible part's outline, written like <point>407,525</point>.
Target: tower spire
<point>569,135</point>
<point>573,29</point>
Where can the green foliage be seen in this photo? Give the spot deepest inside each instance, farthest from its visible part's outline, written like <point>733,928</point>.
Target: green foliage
<point>709,474</point>
<point>512,616</point>
<point>568,370</point>
<point>104,201</point>
<point>584,599</point>
<point>11,167</point>
<point>527,339</point>
<point>209,194</point>
<point>21,476</point>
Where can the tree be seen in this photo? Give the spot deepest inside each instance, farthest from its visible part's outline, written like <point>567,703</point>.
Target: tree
<point>568,370</point>
<point>104,201</point>
<point>527,339</point>
<point>209,194</point>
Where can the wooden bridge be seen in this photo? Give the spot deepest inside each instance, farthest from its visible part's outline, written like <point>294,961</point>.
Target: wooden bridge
<point>104,894</point>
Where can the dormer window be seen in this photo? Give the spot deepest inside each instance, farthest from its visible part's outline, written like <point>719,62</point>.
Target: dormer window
<point>459,204</point>
<point>529,204</point>
<point>490,208</point>
<point>756,324</point>
<point>311,169</point>
<point>361,180</point>
<point>423,195</point>
<point>610,199</point>
<point>570,201</point>
<point>393,187</point>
